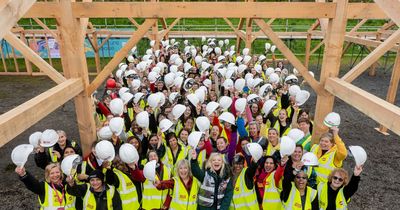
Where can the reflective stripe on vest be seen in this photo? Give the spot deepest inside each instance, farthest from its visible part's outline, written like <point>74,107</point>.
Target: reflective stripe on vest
<point>127,191</point>
<point>181,199</point>
<point>53,157</point>
<point>50,199</point>
<point>326,164</point>
<point>305,140</point>
<point>152,197</point>
<point>243,198</point>
<point>168,159</point>
<point>341,203</point>
<point>294,200</point>
<point>271,199</point>
<point>131,114</point>
<point>271,149</point>
<point>89,201</point>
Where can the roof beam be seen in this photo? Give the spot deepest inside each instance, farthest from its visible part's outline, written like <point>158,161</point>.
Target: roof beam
<point>368,42</point>
<point>391,8</point>
<point>11,12</point>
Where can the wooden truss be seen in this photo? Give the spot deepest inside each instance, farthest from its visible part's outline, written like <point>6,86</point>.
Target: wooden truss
<point>73,26</point>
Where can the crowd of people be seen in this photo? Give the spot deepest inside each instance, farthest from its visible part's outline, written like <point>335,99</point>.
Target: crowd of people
<point>210,129</point>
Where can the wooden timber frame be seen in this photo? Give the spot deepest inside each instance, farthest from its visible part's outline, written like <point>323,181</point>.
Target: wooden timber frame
<point>73,26</point>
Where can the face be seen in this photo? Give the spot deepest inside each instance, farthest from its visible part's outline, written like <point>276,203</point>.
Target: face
<point>269,165</point>
<point>244,143</point>
<point>214,132</point>
<point>325,143</point>
<point>305,127</point>
<point>221,144</point>
<point>237,168</point>
<point>55,175</point>
<point>189,124</point>
<point>201,144</point>
<point>337,180</point>
<point>259,120</point>
<point>154,141</point>
<point>187,112</point>
<point>253,130</point>
<point>304,114</point>
<point>153,156</point>
<point>184,135</point>
<point>68,151</point>
<point>62,139</point>
<point>173,143</point>
<point>254,108</point>
<point>298,153</point>
<point>272,136</point>
<point>282,115</point>
<point>300,180</point>
<point>160,85</point>
<point>96,184</point>
<point>183,171</point>
<point>216,163</point>
<point>135,143</point>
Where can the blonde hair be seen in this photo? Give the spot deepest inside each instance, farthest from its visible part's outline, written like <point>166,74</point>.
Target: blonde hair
<point>181,163</point>
<point>342,173</point>
<point>328,136</point>
<point>209,162</point>
<point>49,168</point>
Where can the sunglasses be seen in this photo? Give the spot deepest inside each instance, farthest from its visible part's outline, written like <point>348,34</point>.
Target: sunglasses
<point>301,177</point>
<point>338,178</point>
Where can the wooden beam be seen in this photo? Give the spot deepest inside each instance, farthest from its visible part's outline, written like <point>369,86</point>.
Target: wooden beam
<point>391,8</point>
<point>378,109</point>
<point>307,54</point>
<point>249,32</point>
<point>3,60</point>
<point>334,39</point>
<point>317,47</point>
<point>120,55</point>
<point>133,21</point>
<point>359,24</point>
<point>17,120</point>
<point>104,41</point>
<point>313,26</point>
<point>168,29</point>
<point>237,31</point>
<point>386,26</point>
<point>372,57</point>
<point>365,10</point>
<point>289,55</point>
<point>28,64</point>
<point>368,42</point>
<point>11,12</point>
<point>34,58</point>
<point>47,29</point>
<point>323,22</point>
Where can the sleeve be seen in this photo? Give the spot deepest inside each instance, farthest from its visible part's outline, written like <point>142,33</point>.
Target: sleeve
<point>77,190</point>
<point>33,184</point>
<point>41,159</point>
<point>352,187</point>
<point>341,152</point>
<point>137,175</point>
<point>286,186</point>
<point>112,178</point>
<point>103,109</point>
<point>116,201</point>
<point>249,174</point>
<point>208,147</point>
<point>285,102</point>
<point>279,173</point>
<point>226,201</point>
<point>197,172</point>
<point>241,127</point>
<point>232,144</point>
<point>315,203</point>
<point>152,123</point>
<point>166,184</point>
<point>145,147</point>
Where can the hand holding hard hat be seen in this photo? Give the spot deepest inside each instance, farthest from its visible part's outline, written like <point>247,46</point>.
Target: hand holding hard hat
<point>165,125</point>
<point>255,150</point>
<point>332,120</point>
<point>34,139</point>
<point>70,164</point>
<point>105,150</point>
<point>178,110</point>
<point>20,154</point>
<point>194,138</point>
<point>117,125</point>
<point>149,170</point>
<point>240,105</point>
<point>117,106</point>
<point>302,97</point>
<point>309,159</point>
<point>227,117</point>
<point>203,123</point>
<point>142,119</point>
<point>359,154</point>
<point>287,146</point>
<point>48,138</point>
<point>128,153</point>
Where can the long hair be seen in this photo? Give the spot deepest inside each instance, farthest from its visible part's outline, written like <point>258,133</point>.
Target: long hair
<point>181,163</point>
<point>49,168</point>
<point>209,162</point>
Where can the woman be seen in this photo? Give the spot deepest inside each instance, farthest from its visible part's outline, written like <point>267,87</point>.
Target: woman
<point>214,134</point>
<point>295,164</point>
<point>331,151</point>
<point>185,188</point>
<point>336,193</point>
<point>216,188</point>
<point>174,151</point>
<point>51,192</point>
<point>273,143</point>
<point>268,184</point>
<point>282,123</point>
<point>183,137</point>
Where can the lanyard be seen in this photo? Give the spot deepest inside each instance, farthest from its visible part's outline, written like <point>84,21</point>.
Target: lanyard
<point>60,199</point>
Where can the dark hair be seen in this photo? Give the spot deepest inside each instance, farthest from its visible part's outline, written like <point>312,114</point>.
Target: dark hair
<point>303,120</point>
<point>169,136</point>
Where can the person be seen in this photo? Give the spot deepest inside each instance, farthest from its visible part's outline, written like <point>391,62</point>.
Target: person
<point>304,125</point>
<point>331,151</point>
<point>336,193</point>
<point>216,188</point>
<point>295,164</point>
<point>244,194</point>
<point>95,194</point>
<point>184,187</point>
<point>296,194</point>
<point>174,151</point>
<point>51,192</point>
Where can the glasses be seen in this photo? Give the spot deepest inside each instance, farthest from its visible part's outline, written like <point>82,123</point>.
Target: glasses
<point>338,178</point>
<point>301,177</point>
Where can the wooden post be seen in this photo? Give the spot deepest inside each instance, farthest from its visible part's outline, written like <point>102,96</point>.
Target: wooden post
<point>308,46</point>
<point>74,65</point>
<point>28,64</point>
<point>155,37</point>
<point>3,60</point>
<point>334,39</point>
<point>48,49</point>
<point>372,70</point>
<point>249,30</point>
<point>15,59</point>
<point>96,52</point>
<point>238,39</point>
<point>393,86</point>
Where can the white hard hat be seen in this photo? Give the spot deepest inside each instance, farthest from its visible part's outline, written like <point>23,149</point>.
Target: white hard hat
<point>221,58</point>
<point>178,82</point>
<point>239,84</point>
<point>291,79</point>
<point>173,68</point>
<point>332,119</point>
<point>153,76</point>
<point>188,84</point>
<point>70,162</point>
<point>218,65</point>
<point>194,138</point>
<point>172,41</point>
<point>157,53</point>
<point>211,107</point>
<point>226,42</point>
<point>34,139</point>
<point>131,59</point>
<point>205,66</point>
<point>301,97</point>
<point>248,75</point>
<point>105,150</point>
<point>218,51</point>
<point>264,90</point>
<point>203,123</point>
<point>20,154</point>
<point>309,159</point>
<point>261,58</point>
<point>240,105</point>
<point>295,71</point>
<point>273,48</point>
<point>246,59</point>
<point>173,96</point>
<point>130,72</point>
<point>149,170</point>
<point>123,90</point>
<point>117,106</point>
<point>311,73</point>
<point>296,134</point>
<point>287,146</point>
<point>207,82</point>
<point>105,133</point>
<point>359,154</point>
<point>227,117</point>
<point>178,111</point>
<point>153,100</point>
<point>269,71</point>
<point>156,69</point>
<point>253,98</point>
<point>135,84</point>
<point>126,97</point>
<point>119,73</point>
<point>193,99</point>
<point>231,72</point>
<point>142,119</point>
<point>200,94</point>
<point>198,59</point>
<point>187,67</point>
<point>203,38</point>
<point>258,68</point>
<point>128,153</point>
<point>48,138</point>
<point>137,97</point>
<point>162,98</point>
<point>178,61</point>
<point>165,124</point>
<point>220,43</point>
<point>255,150</point>
<point>228,83</point>
<point>250,82</point>
<point>267,46</point>
<point>186,42</point>
<point>245,51</point>
<point>117,125</point>
<point>225,102</point>
<point>268,105</point>
<point>257,81</point>
<point>294,89</point>
<point>273,78</point>
<point>239,59</point>
<point>123,67</point>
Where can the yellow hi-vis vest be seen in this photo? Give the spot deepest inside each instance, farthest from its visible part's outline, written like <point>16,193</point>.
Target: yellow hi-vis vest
<point>341,203</point>
<point>181,198</point>
<point>294,200</point>
<point>278,128</point>
<point>89,201</point>
<point>243,198</point>
<point>131,114</point>
<point>168,159</point>
<point>152,197</point>
<point>326,164</point>
<point>127,191</point>
<point>53,157</point>
<point>51,199</point>
<point>271,199</point>
<point>201,157</point>
<point>271,149</point>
